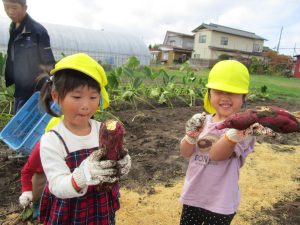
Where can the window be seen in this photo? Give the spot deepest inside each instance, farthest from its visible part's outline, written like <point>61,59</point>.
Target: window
<point>165,56</point>
<point>172,42</point>
<point>202,39</point>
<point>256,47</point>
<point>196,56</point>
<point>224,40</point>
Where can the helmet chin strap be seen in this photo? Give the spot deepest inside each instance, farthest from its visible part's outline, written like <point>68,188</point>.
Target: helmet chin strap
<point>101,103</point>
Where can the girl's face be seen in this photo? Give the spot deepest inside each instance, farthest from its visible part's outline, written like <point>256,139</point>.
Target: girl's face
<point>78,106</point>
<point>225,103</point>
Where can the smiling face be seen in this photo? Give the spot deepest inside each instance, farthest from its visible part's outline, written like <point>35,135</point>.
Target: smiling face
<point>15,11</point>
<point>225,103</point>
<point>78,106</point>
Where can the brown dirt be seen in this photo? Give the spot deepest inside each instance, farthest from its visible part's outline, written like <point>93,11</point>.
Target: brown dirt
<point>152,188</point>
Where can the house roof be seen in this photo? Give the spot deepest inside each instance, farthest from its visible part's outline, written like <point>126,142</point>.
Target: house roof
<point>177,34</point>
<point>235,51</point>
<point>180,34</point>
<point>228,30</point>
<point>173,48</point>
<point>154,50</point>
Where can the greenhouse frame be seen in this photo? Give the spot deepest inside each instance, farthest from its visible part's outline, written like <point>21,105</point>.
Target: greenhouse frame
<point>108,48</point>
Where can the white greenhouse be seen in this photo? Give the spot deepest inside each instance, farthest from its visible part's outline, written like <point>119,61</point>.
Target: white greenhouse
<point>106,47</point>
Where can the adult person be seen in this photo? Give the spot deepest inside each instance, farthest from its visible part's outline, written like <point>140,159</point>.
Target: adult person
<point>28,53</point>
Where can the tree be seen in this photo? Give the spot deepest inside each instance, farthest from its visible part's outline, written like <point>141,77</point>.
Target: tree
<point>278,63</point>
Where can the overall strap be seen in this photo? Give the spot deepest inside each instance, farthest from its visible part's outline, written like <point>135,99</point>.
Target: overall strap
<point>62,140</point>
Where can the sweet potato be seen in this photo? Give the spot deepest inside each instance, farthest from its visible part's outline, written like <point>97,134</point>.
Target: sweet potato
<point>274,117</point>
<point>111,138</point>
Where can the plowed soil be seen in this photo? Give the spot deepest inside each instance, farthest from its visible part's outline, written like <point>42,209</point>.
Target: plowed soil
<point>149,194</point>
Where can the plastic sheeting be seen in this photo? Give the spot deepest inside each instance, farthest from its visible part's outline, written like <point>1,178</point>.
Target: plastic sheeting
<point>106,47</point>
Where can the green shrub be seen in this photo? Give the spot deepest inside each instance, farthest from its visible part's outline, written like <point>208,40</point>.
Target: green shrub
<point>224,57</point>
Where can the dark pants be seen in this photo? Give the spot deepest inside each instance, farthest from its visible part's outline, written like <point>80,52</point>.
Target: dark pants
<point>18,103</point>
<point>193,215</point>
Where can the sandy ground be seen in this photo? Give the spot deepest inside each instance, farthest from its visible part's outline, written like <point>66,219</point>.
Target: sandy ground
<point>268,177</point>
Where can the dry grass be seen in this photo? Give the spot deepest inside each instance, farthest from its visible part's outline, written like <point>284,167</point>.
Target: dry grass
<point>268,177</point>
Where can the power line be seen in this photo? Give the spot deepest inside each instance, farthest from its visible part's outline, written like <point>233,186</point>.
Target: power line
<point>289,48</point>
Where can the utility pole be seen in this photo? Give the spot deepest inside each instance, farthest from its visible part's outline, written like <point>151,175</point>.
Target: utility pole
<point>279,40</point>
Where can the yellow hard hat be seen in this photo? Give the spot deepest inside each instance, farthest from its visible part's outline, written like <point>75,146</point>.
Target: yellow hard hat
<point>53,122</point>
<point>87,65</point>
<point>230,76</point>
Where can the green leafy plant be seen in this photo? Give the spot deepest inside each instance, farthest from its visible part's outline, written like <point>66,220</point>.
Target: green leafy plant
<point>193,87</point>
<point>6,94</point>
<point>224,57</point>
<point>114,79</point>
<point>2,63</point>
<point>263,89</point>
<point>152,75</point>
<point>259,95</point>
<point>27,213</point>
<point>131,91</point>
<point>190,75</point>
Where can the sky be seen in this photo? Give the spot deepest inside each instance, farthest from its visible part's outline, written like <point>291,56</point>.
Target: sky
<point>150,19</point>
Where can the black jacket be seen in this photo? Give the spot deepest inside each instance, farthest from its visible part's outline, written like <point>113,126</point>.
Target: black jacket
<point>28,49</point>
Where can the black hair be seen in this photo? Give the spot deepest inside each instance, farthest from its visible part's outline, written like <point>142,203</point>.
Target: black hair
<point>21,2</point>
<point>63,82</point>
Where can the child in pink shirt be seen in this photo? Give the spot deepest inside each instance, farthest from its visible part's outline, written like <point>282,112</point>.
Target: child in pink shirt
<point>211,193</point>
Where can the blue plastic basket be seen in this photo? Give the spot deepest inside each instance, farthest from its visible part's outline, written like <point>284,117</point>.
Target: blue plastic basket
<point>24,130</point>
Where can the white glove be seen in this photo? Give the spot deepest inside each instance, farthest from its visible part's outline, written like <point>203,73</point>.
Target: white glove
<point>92,171</point>
<point>124,165</point>
<point>193,127</point>
<point>25,198</point>
<point>234,136</point>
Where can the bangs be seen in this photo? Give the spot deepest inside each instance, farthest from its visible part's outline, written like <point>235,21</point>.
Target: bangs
<point>67,80</point>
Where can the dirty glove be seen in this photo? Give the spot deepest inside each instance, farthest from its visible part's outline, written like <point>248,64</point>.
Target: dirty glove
<point>234,136</point>
<point>193,127</point>
<point>92,171</point>
<point>124,165</point>
<point>26,198</point>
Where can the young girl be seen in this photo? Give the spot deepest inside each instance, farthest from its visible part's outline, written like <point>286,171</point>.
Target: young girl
<point>211,194</point>
<point>70,152</point>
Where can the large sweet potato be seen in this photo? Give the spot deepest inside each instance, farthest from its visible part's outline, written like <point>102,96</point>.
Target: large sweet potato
<point>111,138</point>
<point>274,117</point>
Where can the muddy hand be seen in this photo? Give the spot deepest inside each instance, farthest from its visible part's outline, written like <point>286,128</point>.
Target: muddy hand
<point>255,129</point>
<point>92,171</point>
<point>194,127</point>
<point>26,198</point>
<point>259,130</point>
<point>124,165</point>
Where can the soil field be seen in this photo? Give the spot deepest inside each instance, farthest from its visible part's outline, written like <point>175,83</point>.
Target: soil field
<point>149,194</point>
